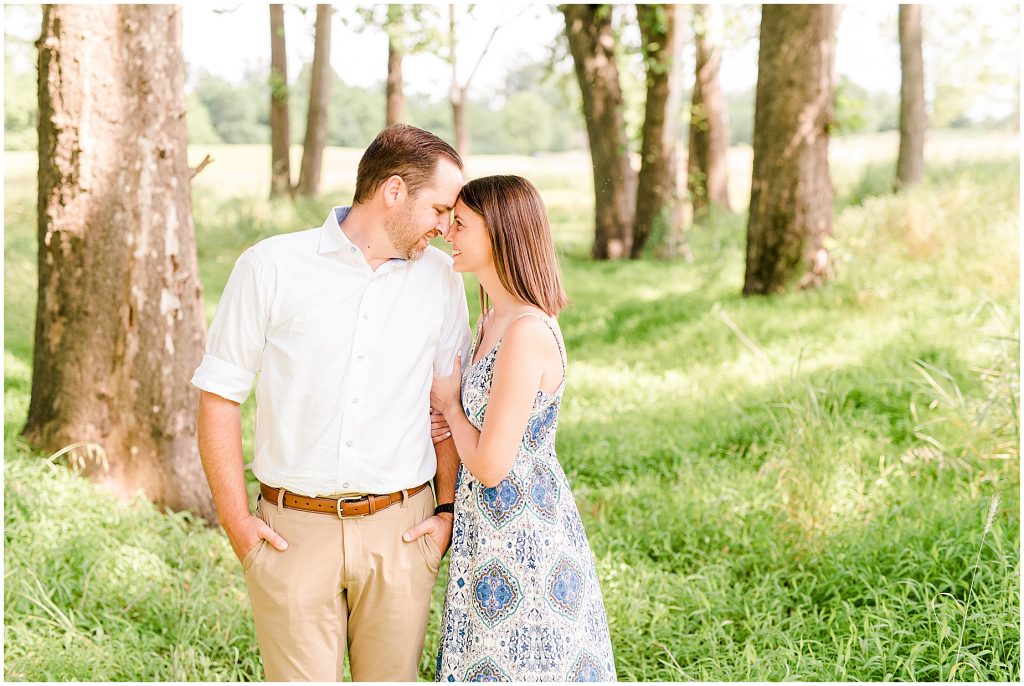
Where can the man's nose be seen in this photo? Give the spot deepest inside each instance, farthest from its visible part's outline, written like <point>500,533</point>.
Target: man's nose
<point>446,229</point>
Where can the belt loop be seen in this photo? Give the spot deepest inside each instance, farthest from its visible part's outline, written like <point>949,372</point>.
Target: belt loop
<point>405,496</point>
<point>371,502</point>
<point>280,501</point>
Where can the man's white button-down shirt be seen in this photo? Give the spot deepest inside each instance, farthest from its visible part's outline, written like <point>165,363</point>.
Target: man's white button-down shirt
<point>342,357</point>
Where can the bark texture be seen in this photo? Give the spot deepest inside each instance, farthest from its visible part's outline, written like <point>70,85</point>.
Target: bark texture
<point>707,168</point>
<point>791,194</point>
<point>319,96</point>
<point>119,318</point>
<point>396,50</point>
<point>280,137</point>
<point>657,203</point>
<point>592,44</point>
<point>913,121</point>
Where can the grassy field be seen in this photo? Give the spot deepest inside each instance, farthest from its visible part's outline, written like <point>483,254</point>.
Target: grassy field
<point>815,486</point>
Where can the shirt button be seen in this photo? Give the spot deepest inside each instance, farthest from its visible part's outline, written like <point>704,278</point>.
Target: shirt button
<point>353,248</point>
<point>355,401</point>
<point>345,485</point>
<point>366,315</point>
<point>359,358</point>
<point>348,444</point>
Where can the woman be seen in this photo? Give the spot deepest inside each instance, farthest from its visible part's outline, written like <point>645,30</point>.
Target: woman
<point>523,601</point>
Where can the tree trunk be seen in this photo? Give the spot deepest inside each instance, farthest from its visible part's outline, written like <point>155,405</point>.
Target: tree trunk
<point>280,140</point>
<point>589,30</point>
<point>707,169</point>
<point>119,316</point>
<point>458,93</point>
<point>913,121</point>
<point>319,95</point>
<point>459,120</point>
<point>657,202</point>
<point>396,48</point>
<point>791,195</point>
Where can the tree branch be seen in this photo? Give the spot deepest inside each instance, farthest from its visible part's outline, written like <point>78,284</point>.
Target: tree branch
<point>199,167</point>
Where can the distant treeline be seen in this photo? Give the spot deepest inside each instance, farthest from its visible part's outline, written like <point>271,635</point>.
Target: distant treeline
<point>537,112</point>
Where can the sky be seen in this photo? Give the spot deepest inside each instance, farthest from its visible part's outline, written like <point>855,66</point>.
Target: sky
<point>228,38</point>
<point>225,43</point>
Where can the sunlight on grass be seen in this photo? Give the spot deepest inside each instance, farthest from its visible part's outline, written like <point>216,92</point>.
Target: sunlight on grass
<point>793,487</point>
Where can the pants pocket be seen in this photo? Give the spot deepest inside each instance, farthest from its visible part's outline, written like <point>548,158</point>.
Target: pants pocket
<point>431,553</point>
<point>250,556</point>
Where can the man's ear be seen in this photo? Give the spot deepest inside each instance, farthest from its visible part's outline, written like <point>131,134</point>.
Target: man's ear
<point>393,190</point>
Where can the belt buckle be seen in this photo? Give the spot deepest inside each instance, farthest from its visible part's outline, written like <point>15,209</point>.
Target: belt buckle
<point>339,501</point>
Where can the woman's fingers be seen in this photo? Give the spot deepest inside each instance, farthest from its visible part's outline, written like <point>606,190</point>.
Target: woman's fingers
<point>439,429</point>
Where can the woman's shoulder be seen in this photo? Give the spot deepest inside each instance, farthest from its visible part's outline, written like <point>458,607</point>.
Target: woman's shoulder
<point>532,330</point>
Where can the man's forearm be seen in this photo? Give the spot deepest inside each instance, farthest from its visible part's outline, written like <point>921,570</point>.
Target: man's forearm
<point>447,470</point>
<point>220,446</point>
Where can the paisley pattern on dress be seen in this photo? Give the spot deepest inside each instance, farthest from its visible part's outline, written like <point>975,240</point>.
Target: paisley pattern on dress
<point>497,593</point>
<point>502,503</point>
<point>523,601</point>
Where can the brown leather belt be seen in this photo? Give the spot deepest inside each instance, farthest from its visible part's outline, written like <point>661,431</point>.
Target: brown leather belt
<point>344,508</point>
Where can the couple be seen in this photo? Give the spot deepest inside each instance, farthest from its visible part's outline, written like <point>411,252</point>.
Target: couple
<point>356,336</point>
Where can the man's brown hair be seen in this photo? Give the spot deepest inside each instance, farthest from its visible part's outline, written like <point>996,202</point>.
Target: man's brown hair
<point>517,225</point>
<point>401,150</point>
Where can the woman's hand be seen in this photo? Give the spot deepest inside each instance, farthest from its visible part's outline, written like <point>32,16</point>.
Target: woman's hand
<point>445,391</point>
<point>439,429</point>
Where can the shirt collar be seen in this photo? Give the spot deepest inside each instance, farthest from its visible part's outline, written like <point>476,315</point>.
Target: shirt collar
<point>332,238</point>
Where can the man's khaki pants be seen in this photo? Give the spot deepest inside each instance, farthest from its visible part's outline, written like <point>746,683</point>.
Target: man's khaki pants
<point>351,582</point>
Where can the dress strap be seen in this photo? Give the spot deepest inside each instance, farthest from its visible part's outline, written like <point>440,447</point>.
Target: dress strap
<point>476,339</point>
<point>554,330</point>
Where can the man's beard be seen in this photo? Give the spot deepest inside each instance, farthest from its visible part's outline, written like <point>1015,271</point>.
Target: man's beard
<point>399,232</point>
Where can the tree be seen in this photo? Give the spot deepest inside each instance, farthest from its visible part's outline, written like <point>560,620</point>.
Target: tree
<point>409,29</point>
<point>707,168</point>
<point>589,32</point>
<point>657,202</point>
<point>319,96</point>
<point>280,138</point>
<point>119,316</point>
<point>459,91</point>
<point>791,195</point>
<point>357,114</point>
<point>913,121</point>
<point>395,28</point>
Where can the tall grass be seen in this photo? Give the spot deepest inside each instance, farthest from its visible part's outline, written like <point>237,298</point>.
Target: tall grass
<point>792,487</point>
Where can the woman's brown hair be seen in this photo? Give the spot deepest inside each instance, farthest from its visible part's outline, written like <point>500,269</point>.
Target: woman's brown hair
<point>517,225</point>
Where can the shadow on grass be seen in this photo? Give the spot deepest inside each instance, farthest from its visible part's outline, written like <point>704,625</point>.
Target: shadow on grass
<point>873,398</point>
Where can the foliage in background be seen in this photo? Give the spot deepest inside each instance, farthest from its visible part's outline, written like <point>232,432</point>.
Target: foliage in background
<point>955,79</point>
<point>858,110</point>
<point>239,113</point>
<point>20,105</point>
<point>200,127</point>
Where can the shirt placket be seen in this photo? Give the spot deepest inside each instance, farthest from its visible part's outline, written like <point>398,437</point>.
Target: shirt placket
<point>366,326</point>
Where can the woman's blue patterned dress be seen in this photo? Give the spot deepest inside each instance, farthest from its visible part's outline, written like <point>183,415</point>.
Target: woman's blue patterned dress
<point>523,601</point>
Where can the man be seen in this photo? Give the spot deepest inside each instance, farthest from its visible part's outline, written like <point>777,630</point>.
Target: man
<point>340,327</point>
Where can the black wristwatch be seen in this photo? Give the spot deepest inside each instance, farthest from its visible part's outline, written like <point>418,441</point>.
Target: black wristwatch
<point>445,507</point>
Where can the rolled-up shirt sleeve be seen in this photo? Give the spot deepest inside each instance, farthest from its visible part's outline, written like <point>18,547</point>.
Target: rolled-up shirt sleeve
<point>237,336</point>
<point>455,329</point>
